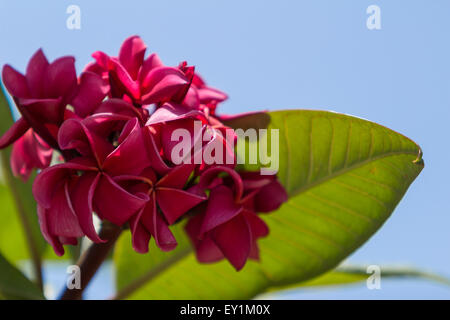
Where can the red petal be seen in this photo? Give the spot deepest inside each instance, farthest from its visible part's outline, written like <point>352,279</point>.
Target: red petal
<point>157,162</point>
<point>44,110</point>
<point>221,208</point>
<point>119,106</point>
<point>174,202</point>
<point>113,203</point>
<point>62,221</point>
<point>153,61</point>
<point>61,80</point>
<point>91,93</point>
<point>17,130</point>
<point>47,181</point>
<point>128,157</point>
<point>36,71</point>
<point>121,81</point>
<point>140,236</point>
<point>74,134</point>
<point>15,82</point>
<point>177,177</point>
<point>234,240</point>
<point>205,249</point>
<point>82,194</point>
<point>131,55</point>
<point>170,112</point>
<point>158,227</point>
<point>161,84</point>
<point>270,197</point>
<point>52,239</point>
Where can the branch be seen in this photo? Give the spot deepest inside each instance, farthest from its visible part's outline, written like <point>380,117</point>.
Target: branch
<point>92,259</point>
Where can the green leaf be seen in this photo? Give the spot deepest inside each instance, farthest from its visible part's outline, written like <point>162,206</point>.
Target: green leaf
<point>14,285</point>
<point>12,237</point>
<point>352,274</point>
<point>24,203</point>
<point>344,176</point>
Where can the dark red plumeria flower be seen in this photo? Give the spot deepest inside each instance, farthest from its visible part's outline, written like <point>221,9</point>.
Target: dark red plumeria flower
<point>87,181</point>
<point>41,95</point>
<point>228,226</point>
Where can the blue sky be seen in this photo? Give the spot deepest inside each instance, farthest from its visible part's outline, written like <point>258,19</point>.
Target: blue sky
<point>315,54</point>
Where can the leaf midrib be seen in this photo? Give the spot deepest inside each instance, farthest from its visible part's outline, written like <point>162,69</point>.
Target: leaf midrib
<point>347,169</point>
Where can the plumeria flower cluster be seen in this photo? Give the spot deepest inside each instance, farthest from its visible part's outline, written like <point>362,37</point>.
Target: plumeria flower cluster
<point>103,144</point>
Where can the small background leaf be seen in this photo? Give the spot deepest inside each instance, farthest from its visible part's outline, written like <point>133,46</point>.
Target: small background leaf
<point>352,274</point>
<point>14,285</point>
<point>24,206</point>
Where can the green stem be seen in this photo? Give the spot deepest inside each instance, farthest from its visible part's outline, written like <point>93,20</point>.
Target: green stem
<point>31,244</point>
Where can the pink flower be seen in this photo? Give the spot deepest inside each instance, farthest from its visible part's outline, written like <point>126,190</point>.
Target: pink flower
<point>68,194</point>
<point>167,203</point>
<point>41,95</point>
<point>135,79</point>
<point>228,226</point>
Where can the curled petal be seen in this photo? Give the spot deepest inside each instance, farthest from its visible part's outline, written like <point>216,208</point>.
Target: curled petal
<point>17,130</point>
<point>82,194</point>
<point>61,219</point>
<point>221,208</point>
<point>208,94</point>
<point>43,110</point>
<point>119,106</point>
<point>170,112</point>
<point>113,203</point>
<point>270,197</point>
<point>52,239</point>
<point>209,176</point>
<point>121,82</point>
<point>205,249</point>
<point>74,134</point>
<point>49,179</point>
<point>177,177</point>
<point>174,202</point>
<point>102,60</point>
<point>153,154</point>
<point>161,84</point>
<point>128,157</point>
<point>28,153</point>
<point>234,240</point>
